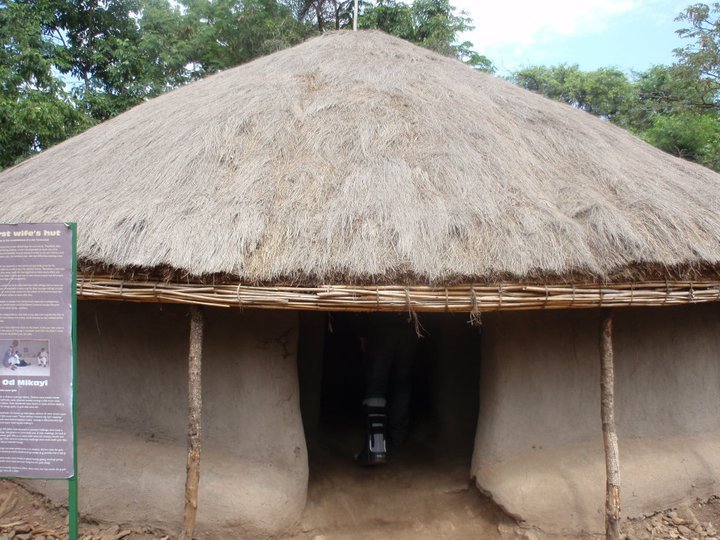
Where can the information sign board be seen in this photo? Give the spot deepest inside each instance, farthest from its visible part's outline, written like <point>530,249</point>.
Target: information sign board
<point>36,350</point>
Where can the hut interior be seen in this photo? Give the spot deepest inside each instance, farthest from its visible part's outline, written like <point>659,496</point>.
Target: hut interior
<point>444,388</point>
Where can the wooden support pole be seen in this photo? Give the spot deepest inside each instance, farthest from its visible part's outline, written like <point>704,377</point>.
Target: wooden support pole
<point>607,411</point>
<point>194,423</point>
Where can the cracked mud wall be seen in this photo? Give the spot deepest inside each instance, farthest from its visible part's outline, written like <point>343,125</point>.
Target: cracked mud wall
<point>538,447</point>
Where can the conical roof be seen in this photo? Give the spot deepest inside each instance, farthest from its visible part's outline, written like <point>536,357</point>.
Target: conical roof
<point>358,157</point>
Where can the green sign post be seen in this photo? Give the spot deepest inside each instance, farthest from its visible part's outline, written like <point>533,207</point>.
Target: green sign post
<point>72,481</point>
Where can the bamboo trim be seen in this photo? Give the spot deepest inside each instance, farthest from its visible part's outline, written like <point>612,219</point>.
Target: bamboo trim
<point>459,298</point>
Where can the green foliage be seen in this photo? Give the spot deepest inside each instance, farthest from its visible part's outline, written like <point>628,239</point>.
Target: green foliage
<point>35,111</point>
<point>676,108</point>
<point>324,14</point>
<point>603,92</point>
<point>703,54</point>
<point>684,116</point>
<point>99,40</point>
<point>433,24</point>
<point>688,135</point>
<point>390,16</point>
<point>225,33</point>
<point>663,91</point>
<point>66,64</point>
<point>122,51</point>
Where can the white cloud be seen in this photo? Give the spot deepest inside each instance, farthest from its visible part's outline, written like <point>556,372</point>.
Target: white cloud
<point>524,23</point>
<point>513,33</point>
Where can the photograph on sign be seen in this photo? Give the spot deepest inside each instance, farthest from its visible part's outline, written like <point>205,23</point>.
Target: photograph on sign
<point>29,357</point>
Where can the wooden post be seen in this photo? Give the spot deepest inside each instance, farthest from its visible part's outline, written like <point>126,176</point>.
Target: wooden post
<point>194,423</point>
<point>607,411</point>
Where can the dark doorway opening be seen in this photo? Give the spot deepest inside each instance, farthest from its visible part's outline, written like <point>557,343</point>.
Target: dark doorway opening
<point>427,479</point>
<point>445,383</point>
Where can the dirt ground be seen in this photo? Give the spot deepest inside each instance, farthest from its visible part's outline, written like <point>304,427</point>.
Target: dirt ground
<point>420,494</point>
<point>440,510</point>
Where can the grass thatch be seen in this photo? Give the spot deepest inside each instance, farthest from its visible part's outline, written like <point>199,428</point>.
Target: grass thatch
<point>357,157</point>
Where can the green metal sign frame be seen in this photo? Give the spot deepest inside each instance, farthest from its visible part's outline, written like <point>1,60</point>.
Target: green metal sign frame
<point>73,480</point>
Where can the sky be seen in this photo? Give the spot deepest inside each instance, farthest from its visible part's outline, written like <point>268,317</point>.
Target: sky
<point>625,34</point>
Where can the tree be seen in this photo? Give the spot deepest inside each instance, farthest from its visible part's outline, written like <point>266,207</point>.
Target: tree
<point>35,110</point>
<point>688,135</point>
<point>324,14</point>
<point>225,33</point>
<point>120,52</point>
<point>663,91</point>
<point>703,55</point>
<point>164,45</point>
<point>676,108</point>
<point>98,40</point>
<point>433,24</point>
<point>603,92</point>
<point>65,64</point>
<point>681,103</point>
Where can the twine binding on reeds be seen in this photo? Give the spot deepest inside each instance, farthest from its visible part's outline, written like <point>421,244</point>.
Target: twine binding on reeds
<point>475,318</point>
<point>473,299</point>
<point>240,301</point>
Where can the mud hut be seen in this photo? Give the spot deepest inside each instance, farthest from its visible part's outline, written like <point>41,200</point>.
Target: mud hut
<point>359,172</point>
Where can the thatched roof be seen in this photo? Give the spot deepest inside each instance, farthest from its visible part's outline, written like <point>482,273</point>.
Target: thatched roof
<point>358,157</point>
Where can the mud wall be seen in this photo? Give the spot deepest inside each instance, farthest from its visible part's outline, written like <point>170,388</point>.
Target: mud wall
<point>538,448</point>
<point>132,368</point>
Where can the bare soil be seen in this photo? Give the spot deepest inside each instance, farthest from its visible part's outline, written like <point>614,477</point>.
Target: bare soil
<point>414,496</point>
<point>25,515</point>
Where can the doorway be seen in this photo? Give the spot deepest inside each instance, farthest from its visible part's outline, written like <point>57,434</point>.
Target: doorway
<point>427,477</point>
